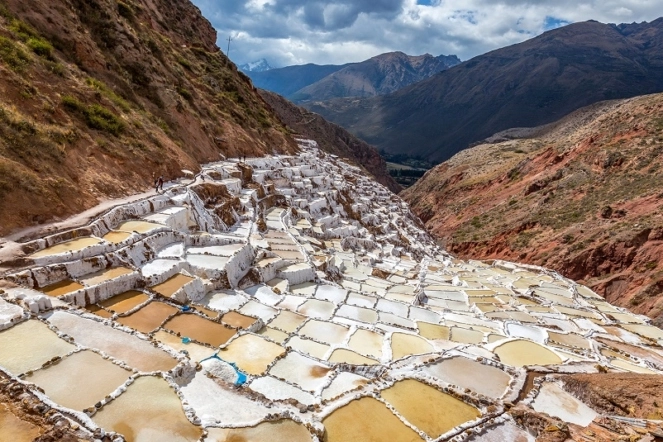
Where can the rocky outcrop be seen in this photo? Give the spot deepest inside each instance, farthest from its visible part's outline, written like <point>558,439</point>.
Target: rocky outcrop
<point>99,96</point>
<point>582,196</point>
<point>331,138</point>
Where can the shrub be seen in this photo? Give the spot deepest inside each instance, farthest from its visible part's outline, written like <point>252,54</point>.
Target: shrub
<point>98,117</point>
<point>108,93</point>
<point>125,10</point>
<point>41,47</point>
<point>12,55</point>
<point>23,30</point>
<point>185,94</point>
<point>72,103</point>
<point>185,63</point>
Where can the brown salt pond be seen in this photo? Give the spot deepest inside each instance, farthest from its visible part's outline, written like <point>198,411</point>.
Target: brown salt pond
<point>210,313</point>
<point>94,309</point>
<point>251,353</point>
<point>519,353</point>
<point>279,431</point>
<point>68,246</point>
<point>116,237</point>
<point>61,288</point>
<point>86,373</point>
<point>238,320</point>
<point>105,275</point>
<point>28,345</point>
<point>172,284</point>
<point>13,429</point>
<point>367,343</point>
<point>343,356</point>
<point>377,424</point>
<point>149,411</point>
<point>428,409</point>
<point>124,302</point>
<point>202,330</point>
<point>467,373</point>
<point>149,317</point>
<point>405,345</point>
<point>196,352</point>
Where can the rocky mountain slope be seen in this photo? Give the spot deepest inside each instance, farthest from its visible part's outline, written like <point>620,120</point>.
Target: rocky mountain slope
<point>332,138</point>
<point>582,196</point>
<point>379,75</point>
<point>98,96</point>
<point>524,85</point>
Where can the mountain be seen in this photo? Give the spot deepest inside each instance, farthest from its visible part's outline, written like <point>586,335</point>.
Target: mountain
<point>379,75</point>
<point>524,85</point>
<point>582,196</point>
<point>100,96</point>
<point>255,66</point>
<point>288,80</point>
<point>331,138</point>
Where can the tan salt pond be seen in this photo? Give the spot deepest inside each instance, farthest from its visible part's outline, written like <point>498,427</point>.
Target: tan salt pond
<point>105,275</point>
<point>569,340</point>
<point>138,226</point>
<point>377,424</point>
<point>196,352</point>
<point>68,246</point>
<point>433,331</point>
<point>13,429</point>
<point>116,237</point>
<point>62,288</point>
<point>466,373</point>
<point>98,311</point>
<point>309,347</point>
<point>367,343</point>
<point>26,346</point>
<point>324,332</point>
<point>149,317</point>
<point>86,373</point>
<point>275,335</point>
<point>466,336</point>
<point>520,352</point>
<point>124,302</point>
<point>172,284</point>
<point>405,345</point>
<point>428,409</point>
<point>251,353</point>
<point>343,356</point>
<point>238,320</point>
<point>644,330</point>
<point>149,411</point>
<point>202,330</point>
<point>210,313</point>
<point>287,321</point>
<point>284,430</point>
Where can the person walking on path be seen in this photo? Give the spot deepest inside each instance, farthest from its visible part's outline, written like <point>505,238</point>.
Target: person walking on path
<point>159,183</point>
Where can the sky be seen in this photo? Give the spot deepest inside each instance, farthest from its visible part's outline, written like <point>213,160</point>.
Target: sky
<point>288,32</point>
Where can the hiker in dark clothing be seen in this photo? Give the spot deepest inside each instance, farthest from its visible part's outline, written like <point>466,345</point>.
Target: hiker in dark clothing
<point>159,183</point>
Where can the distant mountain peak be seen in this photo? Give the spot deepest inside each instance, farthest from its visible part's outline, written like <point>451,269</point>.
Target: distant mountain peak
<point>255,66</point>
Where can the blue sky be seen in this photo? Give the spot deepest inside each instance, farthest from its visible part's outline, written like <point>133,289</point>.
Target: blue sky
<point>287,32</point>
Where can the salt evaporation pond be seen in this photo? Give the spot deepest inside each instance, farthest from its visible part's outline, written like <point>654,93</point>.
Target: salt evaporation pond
<point>14,429</point>
<point>325,295</point>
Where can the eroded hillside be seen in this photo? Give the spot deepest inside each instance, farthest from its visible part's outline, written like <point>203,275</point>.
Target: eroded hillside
<point>582,196</point>
<point>98,96</point>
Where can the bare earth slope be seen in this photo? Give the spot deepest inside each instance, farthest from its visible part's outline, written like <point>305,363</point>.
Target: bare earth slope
<point>98,96</point>
<point>331,138</point>
<point>524,85</point>
<point>583,196</point>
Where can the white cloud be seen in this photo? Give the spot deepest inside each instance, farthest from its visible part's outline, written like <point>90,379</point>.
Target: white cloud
<point>287,32</point>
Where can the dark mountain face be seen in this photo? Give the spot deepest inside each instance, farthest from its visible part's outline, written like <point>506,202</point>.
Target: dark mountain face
<point>379,75</point>
<point>527,84</point>
<point>288,80</point>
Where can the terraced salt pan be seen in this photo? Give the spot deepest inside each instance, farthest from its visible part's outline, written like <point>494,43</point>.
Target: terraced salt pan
<point>134,351</point>
<point>172,284</point>
<point>520,353</point>
<point>315,308</point>
<point>344,356</point>
<point>287,321</point>
<point>74,245</point>
<point>324,331</point>
<point>275,335</point>
<point>301,371</point>
<point>124,302</point>
<point>251,353</point>
<point>343,383</point>
<point>105,275</point>
<point>28,345</point>
<point>148,318</point>
<point>237,320</point>
<point>275,390</point>
<point>309,347</point>
<point>200,329</point>
<point>149,411</point>
<point>405,345</point>
<point>62,288</point>
<point>207,262</point>
<point>466,373</point>
<point>428,409</point>
<point>139,226</point>
<point>358,314</point>
<point>367,343</point>
<point>195,351</point>
<point>280,431</point>
<point>116,237</point>
<point>14,429</point>
<point>223,301</point>
<point>377,424</point>
<point>88,374</point>
<point>553,400</point>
